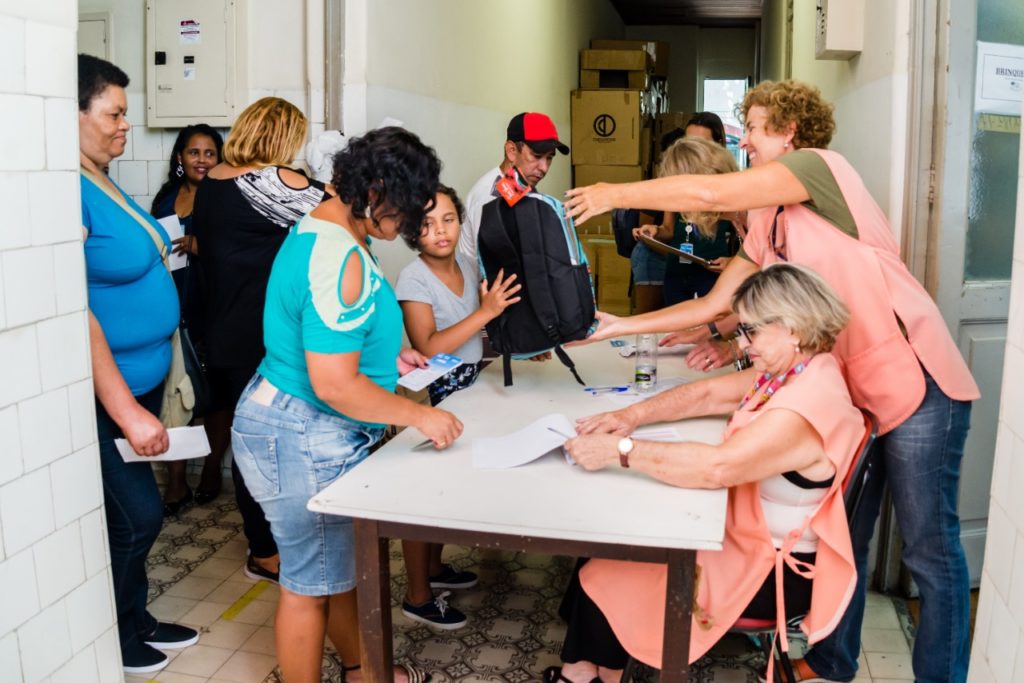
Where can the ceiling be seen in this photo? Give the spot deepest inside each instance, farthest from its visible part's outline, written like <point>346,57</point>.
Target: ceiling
<point>699,12</point>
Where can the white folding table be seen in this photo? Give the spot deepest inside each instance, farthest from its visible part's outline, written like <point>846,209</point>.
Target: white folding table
<point>546,506</point>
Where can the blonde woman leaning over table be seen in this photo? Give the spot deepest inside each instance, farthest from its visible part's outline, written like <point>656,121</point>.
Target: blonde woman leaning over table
<point>783,457</point>
<point>807,205</point>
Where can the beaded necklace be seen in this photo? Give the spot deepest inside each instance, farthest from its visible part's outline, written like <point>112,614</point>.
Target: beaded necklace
<point>777,382</point>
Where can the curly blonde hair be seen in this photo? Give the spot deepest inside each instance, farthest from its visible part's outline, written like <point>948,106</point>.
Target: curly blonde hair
<point>697,156</point>
<point>269,132</point>
<point>794,102</point>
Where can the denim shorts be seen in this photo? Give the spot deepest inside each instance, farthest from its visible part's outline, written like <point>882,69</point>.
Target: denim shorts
<point>288,450</point>
<point>648,266</point>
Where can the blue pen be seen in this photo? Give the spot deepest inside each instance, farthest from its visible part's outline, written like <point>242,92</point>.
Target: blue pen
<point>607,390</point>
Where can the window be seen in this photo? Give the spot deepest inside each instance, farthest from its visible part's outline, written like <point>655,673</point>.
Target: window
<point>723,97</point>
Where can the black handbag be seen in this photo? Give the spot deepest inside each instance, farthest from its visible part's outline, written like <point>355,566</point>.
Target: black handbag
<point>196,371</point>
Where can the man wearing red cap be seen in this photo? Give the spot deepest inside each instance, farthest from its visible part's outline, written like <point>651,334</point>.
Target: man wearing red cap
<point>530,146</point>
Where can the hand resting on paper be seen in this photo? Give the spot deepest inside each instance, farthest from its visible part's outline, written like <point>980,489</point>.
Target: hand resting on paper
<point>594,451</point>
<point>619,422</point>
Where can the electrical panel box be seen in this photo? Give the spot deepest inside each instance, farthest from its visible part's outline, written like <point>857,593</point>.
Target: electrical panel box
<point>195,62</point>
<point>839,30</point>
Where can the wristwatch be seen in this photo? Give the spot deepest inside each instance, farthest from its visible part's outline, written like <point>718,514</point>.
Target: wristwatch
<point>715,334</point>
<point>625,448</point>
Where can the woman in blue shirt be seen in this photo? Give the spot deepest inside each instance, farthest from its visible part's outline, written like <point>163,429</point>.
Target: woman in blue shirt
<point>324,391</point>
<point>133,311</point>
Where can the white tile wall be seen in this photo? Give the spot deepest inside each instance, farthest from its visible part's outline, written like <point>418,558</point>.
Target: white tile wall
<point>10,658</point>
<point>62,134</point>
<point>26,508</point>
<point>94,542</point>
<point>82,409</point>
<point>19,365</point>
<point>1003,636</point>
<point>90,610</point>
<point>21,137</point>
<point>60,563</point>
<point>30,291</point>
<point>76,484</point>
<point>55,216</point>
<point>81,669</point>
<point>12,54</point>
<point>45,429</point>
<point>147,143</point>
<point>64,350</point>
<point>56,610</point>
<point>10,445</point>
<point>133,176</point>
<point>17,230</point>
<point>45,643</point>
<point>50,63</point>
<point>17,591</point>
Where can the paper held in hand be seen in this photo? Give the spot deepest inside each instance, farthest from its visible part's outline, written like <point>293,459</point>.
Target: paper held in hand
<point>174,230</point>
<point>186,443</point>
<point>437,367</point>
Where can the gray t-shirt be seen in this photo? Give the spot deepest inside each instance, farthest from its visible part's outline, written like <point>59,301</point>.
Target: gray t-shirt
<point>417,283</point>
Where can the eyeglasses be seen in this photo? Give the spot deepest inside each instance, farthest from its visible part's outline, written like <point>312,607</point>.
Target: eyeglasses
<point>747,331</point>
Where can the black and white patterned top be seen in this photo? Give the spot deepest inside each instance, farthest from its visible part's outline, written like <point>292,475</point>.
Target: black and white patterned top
<point>240,224</point>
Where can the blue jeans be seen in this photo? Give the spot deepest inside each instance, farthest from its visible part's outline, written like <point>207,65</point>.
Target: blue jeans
<point>921,461</point>
<point>134,516</point>
<point>288,450</point>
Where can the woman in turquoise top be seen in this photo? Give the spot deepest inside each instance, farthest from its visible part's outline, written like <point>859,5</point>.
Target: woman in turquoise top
<point>325,388</point>
<point>133,311</point>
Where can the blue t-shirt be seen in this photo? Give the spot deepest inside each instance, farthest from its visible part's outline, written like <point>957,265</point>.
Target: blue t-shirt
<point>130,291</point>
<point>305,311</point>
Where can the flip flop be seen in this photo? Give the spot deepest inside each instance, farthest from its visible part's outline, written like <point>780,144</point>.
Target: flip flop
<point>414,675</point>
<point>553,674</point>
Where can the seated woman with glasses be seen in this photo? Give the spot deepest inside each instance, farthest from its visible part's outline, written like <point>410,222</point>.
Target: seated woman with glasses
<point>783,457</point>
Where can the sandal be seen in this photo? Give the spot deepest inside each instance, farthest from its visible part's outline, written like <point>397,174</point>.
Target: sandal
<point>553,674</point>
<point>414,675</point>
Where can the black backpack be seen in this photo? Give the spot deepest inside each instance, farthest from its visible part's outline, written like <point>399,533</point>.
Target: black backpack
<point>536,240</point>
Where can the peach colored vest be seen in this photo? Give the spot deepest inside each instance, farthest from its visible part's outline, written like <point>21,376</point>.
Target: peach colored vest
<point>882,369</point>
<point>632,594</point>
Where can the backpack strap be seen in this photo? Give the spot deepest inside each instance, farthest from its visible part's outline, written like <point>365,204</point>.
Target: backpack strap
<point>531,241</point>
<point>567,362</point>
<point>506,368</point>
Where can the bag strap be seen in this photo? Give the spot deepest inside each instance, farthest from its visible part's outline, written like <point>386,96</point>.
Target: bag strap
<point>567,362</point>
<point>119,199</point>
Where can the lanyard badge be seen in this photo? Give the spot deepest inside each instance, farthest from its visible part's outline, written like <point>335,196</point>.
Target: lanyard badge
<point>511,187</point>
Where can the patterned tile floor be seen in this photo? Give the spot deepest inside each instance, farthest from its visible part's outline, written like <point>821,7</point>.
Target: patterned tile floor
<point>513,633</point>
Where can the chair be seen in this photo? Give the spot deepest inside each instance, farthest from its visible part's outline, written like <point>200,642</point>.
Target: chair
<point>853,493</point>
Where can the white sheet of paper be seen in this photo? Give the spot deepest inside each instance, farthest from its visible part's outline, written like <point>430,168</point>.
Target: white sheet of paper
<point>526,445</point>
<point>172,226</point>
<point>186,442</point>
<point>657,433</point>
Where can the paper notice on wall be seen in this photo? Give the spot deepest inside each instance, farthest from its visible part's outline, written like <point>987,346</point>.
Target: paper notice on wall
<point>999,82</point>
<point>189,32</point>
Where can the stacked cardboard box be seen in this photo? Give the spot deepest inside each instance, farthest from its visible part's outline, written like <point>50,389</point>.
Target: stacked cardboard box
<point>622,88</point>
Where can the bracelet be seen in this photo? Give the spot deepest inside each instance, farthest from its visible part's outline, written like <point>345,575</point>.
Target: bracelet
<point>715,334</point>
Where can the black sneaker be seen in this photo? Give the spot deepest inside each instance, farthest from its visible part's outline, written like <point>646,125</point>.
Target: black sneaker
<point>450,577</point>
<point>435,613</point>
<point>143,659</point>
<point>257,573</point>
<point>172,636</point>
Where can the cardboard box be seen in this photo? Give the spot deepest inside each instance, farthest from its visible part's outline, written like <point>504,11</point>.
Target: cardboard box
<point>606,127</point>
<point>616,60</point>
<point>616,80</point>
<point>601,224</point>
<point>613,272</point>
<point>663,123</point>
<point>657,49</point>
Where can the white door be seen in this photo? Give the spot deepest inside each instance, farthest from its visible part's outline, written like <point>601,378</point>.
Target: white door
<point>971,240</point>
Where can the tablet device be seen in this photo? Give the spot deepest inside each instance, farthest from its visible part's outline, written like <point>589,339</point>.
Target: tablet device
<point>662,248</point>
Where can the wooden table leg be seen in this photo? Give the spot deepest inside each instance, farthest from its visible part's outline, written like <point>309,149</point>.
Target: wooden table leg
<point>373,592</point>
<point>675,665</point>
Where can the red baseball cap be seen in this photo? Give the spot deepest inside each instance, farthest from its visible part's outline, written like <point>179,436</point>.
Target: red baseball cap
<point>537,130</point>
